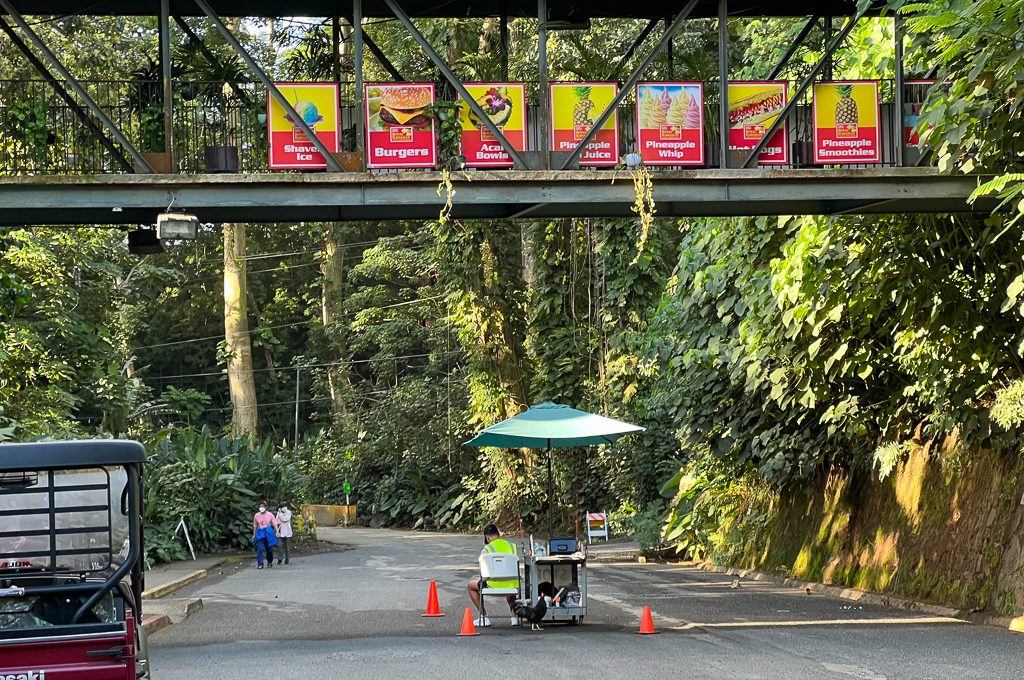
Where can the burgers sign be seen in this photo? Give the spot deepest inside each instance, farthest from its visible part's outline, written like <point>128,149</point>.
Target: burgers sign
<point>400,126</point>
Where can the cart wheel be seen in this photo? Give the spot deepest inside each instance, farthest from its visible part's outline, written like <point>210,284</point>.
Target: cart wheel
<point>577,620</point>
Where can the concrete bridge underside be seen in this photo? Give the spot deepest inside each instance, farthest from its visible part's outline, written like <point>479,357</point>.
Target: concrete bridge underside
<point>137,199</point>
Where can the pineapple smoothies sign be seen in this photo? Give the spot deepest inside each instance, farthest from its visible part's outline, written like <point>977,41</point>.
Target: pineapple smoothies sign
<point>400,126</point>
<point>289,146</point>
<point>574,110</point>
<point>753,107</point>
<point>846,116</point>
<point>505,105</point>
<point>670,128</point>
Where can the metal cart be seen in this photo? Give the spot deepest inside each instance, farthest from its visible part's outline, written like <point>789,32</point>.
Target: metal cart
<point>568,571</point>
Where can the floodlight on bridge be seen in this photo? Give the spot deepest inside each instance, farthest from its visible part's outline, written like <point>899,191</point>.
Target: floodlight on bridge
<point>175,226</point>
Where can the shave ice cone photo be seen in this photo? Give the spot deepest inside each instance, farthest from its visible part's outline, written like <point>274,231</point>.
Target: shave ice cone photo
<point>670,123</point>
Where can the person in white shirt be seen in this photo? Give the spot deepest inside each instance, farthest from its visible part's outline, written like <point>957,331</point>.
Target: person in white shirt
<point>284,518</point>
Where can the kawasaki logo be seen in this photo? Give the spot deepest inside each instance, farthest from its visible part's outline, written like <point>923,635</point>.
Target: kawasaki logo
<point>25,675</point>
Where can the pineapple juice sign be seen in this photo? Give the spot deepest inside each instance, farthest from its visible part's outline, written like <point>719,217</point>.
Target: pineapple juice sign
<point>846,116</point>
<point>753,108</point>
<point>289,147</point>
<point>575,108</point>
<point>505,105</point>
<point>670,123</point>
<point>400,125</point>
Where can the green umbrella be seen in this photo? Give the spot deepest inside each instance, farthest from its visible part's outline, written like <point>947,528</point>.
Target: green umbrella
<point>552,426</point>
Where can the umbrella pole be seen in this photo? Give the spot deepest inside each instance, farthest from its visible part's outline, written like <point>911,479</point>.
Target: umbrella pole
<point>551,493</point>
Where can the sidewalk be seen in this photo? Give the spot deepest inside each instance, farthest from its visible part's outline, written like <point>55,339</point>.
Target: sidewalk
<point>161,611</point>
<point>163,580</point>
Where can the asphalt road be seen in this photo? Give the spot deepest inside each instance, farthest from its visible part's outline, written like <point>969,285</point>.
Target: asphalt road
<point>356,614</point>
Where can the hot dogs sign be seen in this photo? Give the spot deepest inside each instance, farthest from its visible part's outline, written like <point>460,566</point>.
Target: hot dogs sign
<point>753,107</point>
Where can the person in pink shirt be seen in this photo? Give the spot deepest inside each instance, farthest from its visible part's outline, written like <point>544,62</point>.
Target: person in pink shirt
<point>264,535</point>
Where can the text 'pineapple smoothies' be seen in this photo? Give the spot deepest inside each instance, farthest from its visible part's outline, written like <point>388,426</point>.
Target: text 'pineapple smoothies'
<point>575,107</point>
<point>670,123</point>
<point>290,148</point>
<point>846,116</point>
<point>505,105</point>
<point>753,108</point>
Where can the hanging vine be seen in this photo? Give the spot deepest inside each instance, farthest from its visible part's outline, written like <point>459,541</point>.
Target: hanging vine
<point>449,133</point>
<point>643,206</point>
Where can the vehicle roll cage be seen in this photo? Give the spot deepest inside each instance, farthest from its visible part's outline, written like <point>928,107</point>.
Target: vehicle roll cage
<point>51,457</point>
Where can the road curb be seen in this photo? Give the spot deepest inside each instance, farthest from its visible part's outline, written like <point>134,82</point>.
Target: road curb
<point>166,589</point>
<point>841,592</point>
<point>154,623</point>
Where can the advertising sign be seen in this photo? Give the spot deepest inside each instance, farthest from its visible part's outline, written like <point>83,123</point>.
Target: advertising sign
<point>574,110</point>
<point>846,117</point>
<point>914,94</point>
<point>289,147</point>
<point>753,107</point>
<point>505,105</point>
<point>670,123</point>
<point>400,125</point>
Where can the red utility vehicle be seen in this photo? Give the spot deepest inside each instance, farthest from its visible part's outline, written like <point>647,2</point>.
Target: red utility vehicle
<point>71,576</point>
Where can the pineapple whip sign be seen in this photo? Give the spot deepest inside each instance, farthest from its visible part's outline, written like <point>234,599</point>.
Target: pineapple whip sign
<point>289,146</point>
<point>753,108</point>
<point>846,115</point>
<point>670,129</point>
<point>505,105</point>
<point>574,110</point>
<point>400,126</point>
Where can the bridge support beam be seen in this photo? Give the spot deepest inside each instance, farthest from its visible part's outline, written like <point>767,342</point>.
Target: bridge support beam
<point>670,32</point>
<point>167,86</point>
<point>634,46</point>
<point>723,80</point>
<point>141,165</point>
<point>793,47</point>
<point>449,75</point>
<point>203,5</point>
<point>825,60</point>
<point>357,71</point>
<point>899,94</point>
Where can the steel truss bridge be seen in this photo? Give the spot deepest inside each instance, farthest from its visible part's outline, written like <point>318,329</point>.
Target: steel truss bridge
<point>103,178</point>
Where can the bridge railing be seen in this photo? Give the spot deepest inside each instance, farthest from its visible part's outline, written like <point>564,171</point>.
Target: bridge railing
<point>41,133</point>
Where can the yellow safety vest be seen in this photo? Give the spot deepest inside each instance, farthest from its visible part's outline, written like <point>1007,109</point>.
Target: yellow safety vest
<point>500,545</point>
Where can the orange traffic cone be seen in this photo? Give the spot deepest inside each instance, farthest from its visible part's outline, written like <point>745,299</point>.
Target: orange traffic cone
<point>433,608</point>
<point>468,627</point>
<point>647,623</point>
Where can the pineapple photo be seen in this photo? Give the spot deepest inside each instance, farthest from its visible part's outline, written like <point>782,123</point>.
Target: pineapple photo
<point>847,115</point>
<point>581,119</point>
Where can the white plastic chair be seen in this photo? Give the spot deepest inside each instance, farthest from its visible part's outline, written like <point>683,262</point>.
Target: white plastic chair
<point>497,567</point>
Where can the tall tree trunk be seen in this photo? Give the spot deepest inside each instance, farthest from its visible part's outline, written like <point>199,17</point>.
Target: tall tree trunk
<point>241,383</point>
<point>331,300</point>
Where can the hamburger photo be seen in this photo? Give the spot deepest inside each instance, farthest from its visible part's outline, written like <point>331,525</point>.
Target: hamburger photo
<point>405,106</point>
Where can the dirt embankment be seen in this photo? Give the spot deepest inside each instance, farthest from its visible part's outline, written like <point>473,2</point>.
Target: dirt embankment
<point>928,532</point>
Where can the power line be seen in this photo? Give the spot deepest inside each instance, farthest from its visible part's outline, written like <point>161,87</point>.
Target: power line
<point>328,364</point>
<point>270,328</point>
